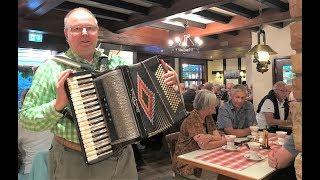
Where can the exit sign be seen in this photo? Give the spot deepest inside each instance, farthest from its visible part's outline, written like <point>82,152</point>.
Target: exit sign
<point>35,37</point>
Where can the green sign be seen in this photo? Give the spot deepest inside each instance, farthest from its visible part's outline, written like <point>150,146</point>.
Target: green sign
<point>35,37</point>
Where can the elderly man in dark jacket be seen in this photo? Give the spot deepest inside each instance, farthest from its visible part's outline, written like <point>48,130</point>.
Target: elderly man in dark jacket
<point>188,97</point>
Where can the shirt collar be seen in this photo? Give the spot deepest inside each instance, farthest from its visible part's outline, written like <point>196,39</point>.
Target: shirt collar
<point>75,57</point>
<point>232,107</point>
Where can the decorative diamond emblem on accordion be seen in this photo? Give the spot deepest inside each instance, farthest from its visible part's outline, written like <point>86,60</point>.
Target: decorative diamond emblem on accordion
<point>146,98</point>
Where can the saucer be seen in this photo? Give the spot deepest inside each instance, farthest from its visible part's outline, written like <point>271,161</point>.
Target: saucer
<point>250,136</point>
<point>277,142</point>
<point>236,148</point>
<point>247,156</point>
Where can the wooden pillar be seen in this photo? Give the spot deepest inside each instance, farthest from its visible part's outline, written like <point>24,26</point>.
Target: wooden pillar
<point>295,7</point>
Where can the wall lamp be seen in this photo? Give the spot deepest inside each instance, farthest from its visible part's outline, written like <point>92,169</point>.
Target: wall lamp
<point>218,74</point>
<point>242,74</point>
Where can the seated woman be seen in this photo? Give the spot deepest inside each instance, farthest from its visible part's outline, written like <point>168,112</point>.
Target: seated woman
<point>198,131</point>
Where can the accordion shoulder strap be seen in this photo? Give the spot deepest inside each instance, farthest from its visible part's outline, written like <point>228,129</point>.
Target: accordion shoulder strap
<point>68,61</point>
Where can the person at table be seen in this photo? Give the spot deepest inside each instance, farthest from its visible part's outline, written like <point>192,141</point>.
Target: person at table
<point>226,93</point>
<point>283,160</point>
<point>273,109</point>
<point>197,131</point>
<point>237,115</point>
<point>209,86</point>
<point>29,144</point>
<point>189,96</point>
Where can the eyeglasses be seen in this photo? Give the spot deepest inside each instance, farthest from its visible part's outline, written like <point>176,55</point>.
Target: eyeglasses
<point>284,91</point>
<point>78,30</point>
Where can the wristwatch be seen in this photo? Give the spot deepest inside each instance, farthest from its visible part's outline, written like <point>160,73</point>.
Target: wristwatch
<point>66,113</point>
<point>63,111</point>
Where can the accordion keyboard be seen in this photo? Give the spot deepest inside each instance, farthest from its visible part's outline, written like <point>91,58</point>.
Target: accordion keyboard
<point>170,94</point>
<point>88,113</point>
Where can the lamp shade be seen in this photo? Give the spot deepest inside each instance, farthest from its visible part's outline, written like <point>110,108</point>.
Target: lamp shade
<point>261,47</point>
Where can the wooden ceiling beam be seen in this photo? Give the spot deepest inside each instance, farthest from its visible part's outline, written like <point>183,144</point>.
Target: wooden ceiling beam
<point>158,14</point>
<point>124,5</point>
<point>239,10</point>
<point>170,27</point>
<point>36,8</point>
<point>207,55</point>
<point>240,22</point>
<point>190,23</point>
<point>278,25</point>
<point>214,16</point>
<point>67,6</point>
<point>163,3</point>
<point>226,41</point>
<point>137,37</point>
<point>233,33</point>
<point>276,4</point>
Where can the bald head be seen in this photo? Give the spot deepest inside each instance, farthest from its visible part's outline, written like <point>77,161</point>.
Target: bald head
<point>78,12</point>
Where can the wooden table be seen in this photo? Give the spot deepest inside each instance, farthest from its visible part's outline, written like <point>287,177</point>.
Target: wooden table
<point>258,170</point>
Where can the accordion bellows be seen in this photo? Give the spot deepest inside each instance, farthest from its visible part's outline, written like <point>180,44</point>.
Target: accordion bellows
<point>121,106</point>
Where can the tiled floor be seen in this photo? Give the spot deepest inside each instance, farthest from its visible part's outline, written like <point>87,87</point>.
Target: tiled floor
<point>157,165</point>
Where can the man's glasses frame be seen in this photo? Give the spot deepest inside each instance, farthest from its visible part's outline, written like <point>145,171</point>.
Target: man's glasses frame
<point>79,30</point>
<point>284,91</point>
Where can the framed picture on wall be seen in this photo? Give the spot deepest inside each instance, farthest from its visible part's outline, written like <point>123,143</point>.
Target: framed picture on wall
<point>231,74</point>
<point>234,81</point>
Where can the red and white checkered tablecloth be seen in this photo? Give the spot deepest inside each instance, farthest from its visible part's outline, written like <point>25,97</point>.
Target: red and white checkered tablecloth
<point>235,159</point>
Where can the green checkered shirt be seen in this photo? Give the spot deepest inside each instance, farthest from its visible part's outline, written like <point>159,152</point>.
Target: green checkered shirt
<point>38,112</point>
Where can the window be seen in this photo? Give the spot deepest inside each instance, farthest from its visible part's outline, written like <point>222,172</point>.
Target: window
<point>282,70</point>
<point>27,59</point>
<point>287,74</point>
<point>192,73</point>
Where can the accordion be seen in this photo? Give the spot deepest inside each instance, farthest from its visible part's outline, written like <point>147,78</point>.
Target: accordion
<point>121,106</point>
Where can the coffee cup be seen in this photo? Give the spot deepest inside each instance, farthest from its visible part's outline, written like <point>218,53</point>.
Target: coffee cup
<point>281,136</point>
<point>254,135</point>
<point>230,141</point>
<point>254,150</point>
<point>254,128</point>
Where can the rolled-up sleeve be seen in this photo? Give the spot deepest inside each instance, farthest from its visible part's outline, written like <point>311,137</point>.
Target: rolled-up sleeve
<point>224,118</point>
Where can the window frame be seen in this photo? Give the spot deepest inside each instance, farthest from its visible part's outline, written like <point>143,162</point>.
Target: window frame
<point>203,63</point>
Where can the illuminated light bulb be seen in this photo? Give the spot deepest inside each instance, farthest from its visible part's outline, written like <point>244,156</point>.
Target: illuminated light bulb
<point>263,56</point>
<point>200,42</point>
<point>177,39</point>
<point>184,44</point>
<point>197,39</point>
<point>170,42</point>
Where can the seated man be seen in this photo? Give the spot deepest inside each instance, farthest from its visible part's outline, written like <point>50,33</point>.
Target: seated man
<point>236,115</point>
<point>188,97</point>
<point>273,109</point>
<point>283,159</point>
<point>225,95</point>
<point>198,131</point>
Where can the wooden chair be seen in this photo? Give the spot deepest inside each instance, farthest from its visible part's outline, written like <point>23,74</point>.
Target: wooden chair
<point>171,140</point>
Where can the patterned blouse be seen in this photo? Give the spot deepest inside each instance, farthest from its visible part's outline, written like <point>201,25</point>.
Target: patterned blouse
<point>190,127</point>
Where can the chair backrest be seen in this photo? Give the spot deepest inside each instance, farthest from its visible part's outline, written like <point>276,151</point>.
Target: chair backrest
<point>171,140</point>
